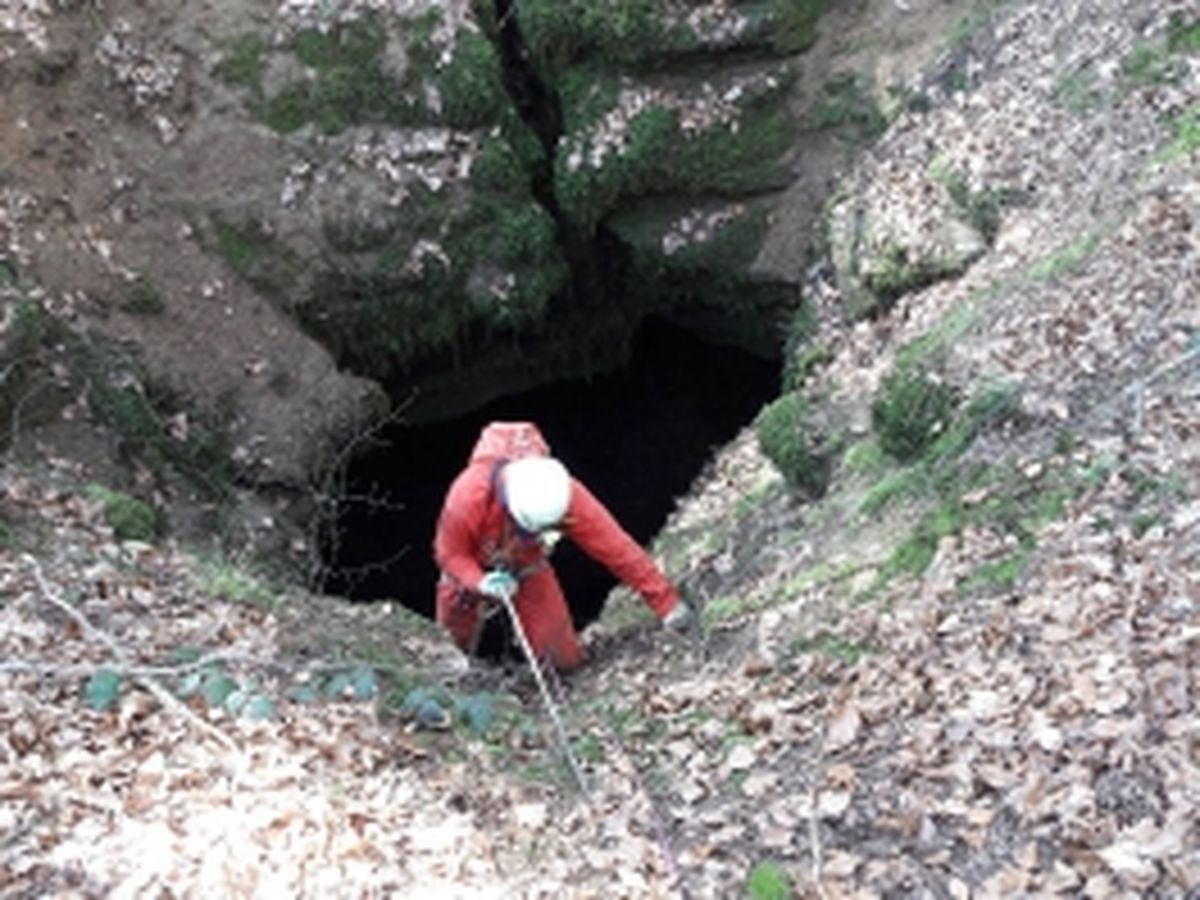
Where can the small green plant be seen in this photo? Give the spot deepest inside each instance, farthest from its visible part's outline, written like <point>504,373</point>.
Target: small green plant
<point>129,518</point>
<point>832,645</point>
<point>847,107</point>
<point>795,24</point>
<point>1078,92</point>
<point>221,577</point>
<point>1146,66</point>
<point>981,209</point>
<point>768,881</point>
<point>786,437</point>
<point>1187,134</point>
<point>1183,36</point>
<point>241,64</point>
<point>910,410</point>
<point>143,297</point>
<point>472,84</point>
<point>349,86</point>
<point>1067,259</point>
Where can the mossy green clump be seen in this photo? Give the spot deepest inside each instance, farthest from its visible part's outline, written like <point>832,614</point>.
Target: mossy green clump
<point>896,274</point>
<point>787,438</point>
<point>981,209</point>
<point>143,297</point>
<point>657,157</point>
<point>1183,34</point>
<point>562,32</point>
<point>129,518</point>
<point>848,108</point>
<point>795,24</point>
<point>349,85</point>
<point>121,396</point>
<point>242,62</point>
<point>472,84</point>
<point>910,410</point>
<point>256,255</point>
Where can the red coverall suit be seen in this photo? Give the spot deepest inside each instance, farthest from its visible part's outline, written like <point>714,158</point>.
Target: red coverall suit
<point>475,533</point>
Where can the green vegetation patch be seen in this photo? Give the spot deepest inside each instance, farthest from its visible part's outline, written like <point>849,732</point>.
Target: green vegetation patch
<point>910,410</point>
<point>658,158</point>
<point>220,576</point>
<point>129,518</point>
<point>139,410</point>
<point>847,107</point>
<point>242,62</point>
<point>616,33</point>
<point>349,85</point>
<point>472,84</point>
<point>1183,34</point>
<point>795,24</point>
<point>787,437</point>
<point>143,297</point>
<point>256,255</point>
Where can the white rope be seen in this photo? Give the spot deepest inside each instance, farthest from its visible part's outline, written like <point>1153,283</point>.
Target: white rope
<point>551,708</point>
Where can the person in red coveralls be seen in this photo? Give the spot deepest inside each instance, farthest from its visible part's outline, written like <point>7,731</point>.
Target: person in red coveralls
<point>500,520</point>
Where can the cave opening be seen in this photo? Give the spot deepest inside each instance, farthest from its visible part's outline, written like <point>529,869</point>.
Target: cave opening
<point>638,437</point>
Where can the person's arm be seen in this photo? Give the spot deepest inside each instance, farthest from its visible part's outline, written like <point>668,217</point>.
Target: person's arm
<point>456,542</point>
<point>590,525</point>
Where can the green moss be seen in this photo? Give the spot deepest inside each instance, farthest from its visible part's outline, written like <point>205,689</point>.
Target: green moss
<point>999,575</point>
<point>121,396</point>
<point>1078,92</point>
<point>588,193</point>
<point>897,274</point>
<point>143,297</point>
<point>847,107</point>
<point>795,24</point>
<point>910,410</point>
<point>834,646</point>
<point>222,577</point>
<point>255,254</point>
<point>1147,65</point>
<point>1183,35</point>
<point>787,438</point>
<point>1187,134</point>
<point>982,209</point>
<point>471,84</point>
<point>616,33</point>
<point>241,64</point>
<point>348,86</point>
<point>659,158</point>
<point>1067,259</point>
<point>129,518</point>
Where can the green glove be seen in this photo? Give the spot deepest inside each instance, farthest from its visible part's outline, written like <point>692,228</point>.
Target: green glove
<point>498,584</point>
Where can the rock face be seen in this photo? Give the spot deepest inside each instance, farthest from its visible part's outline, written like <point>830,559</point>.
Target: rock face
<point>275,208</point>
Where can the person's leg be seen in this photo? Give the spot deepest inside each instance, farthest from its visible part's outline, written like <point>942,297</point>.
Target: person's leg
<point>546,620</point>
<point>458,612</point>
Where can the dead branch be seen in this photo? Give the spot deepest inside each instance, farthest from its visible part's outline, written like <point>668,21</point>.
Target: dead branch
<point>165,697</point>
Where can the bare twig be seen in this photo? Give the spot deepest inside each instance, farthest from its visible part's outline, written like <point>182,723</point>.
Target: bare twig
<point>165,697</point>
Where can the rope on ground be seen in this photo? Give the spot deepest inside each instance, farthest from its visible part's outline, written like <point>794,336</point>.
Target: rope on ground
<point>663,842</point>
<point>559,729</point>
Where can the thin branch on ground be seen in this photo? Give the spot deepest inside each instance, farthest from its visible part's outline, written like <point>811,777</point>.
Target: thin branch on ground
<point>165,697</point>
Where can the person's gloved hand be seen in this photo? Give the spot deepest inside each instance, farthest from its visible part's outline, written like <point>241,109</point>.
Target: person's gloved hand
<point>679,618</point>
<point>498,584</point>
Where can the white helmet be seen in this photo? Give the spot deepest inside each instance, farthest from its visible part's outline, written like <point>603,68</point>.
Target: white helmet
<point>537,490</point>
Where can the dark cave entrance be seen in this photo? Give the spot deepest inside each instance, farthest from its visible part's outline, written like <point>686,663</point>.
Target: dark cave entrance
<point>637,437</point>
